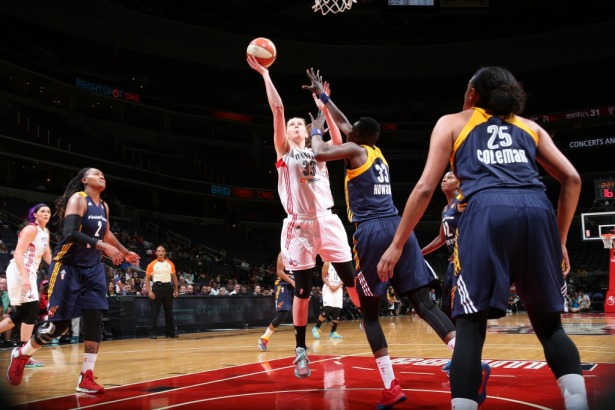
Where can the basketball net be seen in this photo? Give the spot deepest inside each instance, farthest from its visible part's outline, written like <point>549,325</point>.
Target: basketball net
<point>332,6</point>
<point>607,240</point>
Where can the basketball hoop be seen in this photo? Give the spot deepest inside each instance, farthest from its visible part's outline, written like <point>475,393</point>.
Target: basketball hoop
<point>607,239</point>
<point>332,6</point>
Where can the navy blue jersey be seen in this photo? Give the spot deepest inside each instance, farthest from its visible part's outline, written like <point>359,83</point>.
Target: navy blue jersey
<point>368,189</point>
<point>93,224</point>
<point>450,219</point>
<point>494,152</point>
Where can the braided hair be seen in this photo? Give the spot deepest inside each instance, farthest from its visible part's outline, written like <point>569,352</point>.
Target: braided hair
<point>74,185</point>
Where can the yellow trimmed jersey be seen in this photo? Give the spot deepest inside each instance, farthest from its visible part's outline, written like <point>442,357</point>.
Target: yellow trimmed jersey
<point>495,152</point>
<point>368,189</point>
<point>94,225</point>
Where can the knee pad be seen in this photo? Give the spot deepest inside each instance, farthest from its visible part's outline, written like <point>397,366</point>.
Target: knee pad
<point>280,318</point>
<point>16,316</point>
<point>346,272</point>
<point>28,312</point>
<point>92,325</point>
<point>50,330</point>
<point>326,310</point>
<point>303,283</point>
<point>335,314</point>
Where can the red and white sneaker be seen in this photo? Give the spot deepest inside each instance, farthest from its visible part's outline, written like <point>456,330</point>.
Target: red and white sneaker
<point>87,384</point>
<point>18,362</point>
<point>391,396</point>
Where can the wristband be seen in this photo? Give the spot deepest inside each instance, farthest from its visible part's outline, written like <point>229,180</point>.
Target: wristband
<point>316,131</point>
<point>324,98</point>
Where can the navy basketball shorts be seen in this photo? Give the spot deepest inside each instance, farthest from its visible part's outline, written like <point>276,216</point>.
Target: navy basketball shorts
<point>73,288</point>
<point>284,297</point>
<point>508,236</point>
<point>371,239</point>
<point>448,284</point>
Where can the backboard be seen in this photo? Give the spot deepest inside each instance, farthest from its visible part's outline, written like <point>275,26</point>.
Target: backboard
<point>596,223</point>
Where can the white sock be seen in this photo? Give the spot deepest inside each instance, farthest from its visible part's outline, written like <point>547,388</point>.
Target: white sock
<point>28,349</point>
<point>89,360</point>
<point>386,370</point>
<point>268,333</point>
<point>451,344</point>
<point>574,392</point>
<point>463,404</point>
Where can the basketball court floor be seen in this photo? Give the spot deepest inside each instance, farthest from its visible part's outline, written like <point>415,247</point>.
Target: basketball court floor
<point>226,370</point>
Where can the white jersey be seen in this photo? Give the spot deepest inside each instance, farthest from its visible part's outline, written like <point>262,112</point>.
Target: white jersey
<point>32,260</point>
<point>330,298</point>
<point>303,183</point>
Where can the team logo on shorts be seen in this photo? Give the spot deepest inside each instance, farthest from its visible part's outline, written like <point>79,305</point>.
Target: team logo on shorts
<point>52,311</point>
<point>62,273</point>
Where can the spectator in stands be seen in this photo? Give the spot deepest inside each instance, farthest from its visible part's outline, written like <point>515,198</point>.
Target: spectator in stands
<point>393,302</point>
<point>201,279</point>
<point>128,290</point>
<point>119,284</point>
<point>4,312</point>
<point>236,289</point>
<point>111,289</point>
<point>189,277</point>
<point>5,256</point>
<point>581,302</point>
<point>205,290</point>
<point>137,284</point>
<point>183,290</point>
<point>258,290</point>
<point>223,292</point>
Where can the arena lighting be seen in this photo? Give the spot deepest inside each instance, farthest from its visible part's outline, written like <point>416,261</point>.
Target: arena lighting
<point>232,116</point>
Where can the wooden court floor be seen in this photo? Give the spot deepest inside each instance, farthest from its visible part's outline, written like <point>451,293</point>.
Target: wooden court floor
<point>225,369</point>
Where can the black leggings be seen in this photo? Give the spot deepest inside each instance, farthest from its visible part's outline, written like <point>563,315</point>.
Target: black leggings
<point>280,318</point>
<point>370,312</point>
<point>560,352</point>
<point>420,299</point>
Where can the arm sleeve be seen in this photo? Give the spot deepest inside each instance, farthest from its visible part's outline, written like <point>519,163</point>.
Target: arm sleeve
<point>71,231</point>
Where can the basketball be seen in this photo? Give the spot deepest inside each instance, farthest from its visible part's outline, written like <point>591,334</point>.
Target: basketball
<point>263,50</point>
